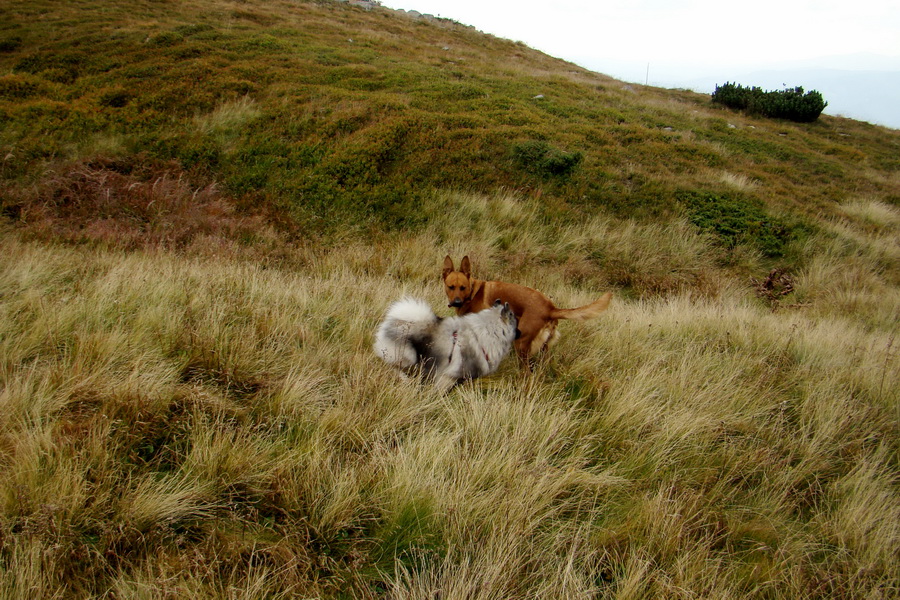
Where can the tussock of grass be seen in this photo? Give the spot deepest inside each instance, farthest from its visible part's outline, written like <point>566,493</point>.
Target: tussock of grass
<point>739,182</point>
<point>873,213</point>
<point>227,119</point>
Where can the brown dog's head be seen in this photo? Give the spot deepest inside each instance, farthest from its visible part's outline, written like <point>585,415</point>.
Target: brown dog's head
<point>457,284</point>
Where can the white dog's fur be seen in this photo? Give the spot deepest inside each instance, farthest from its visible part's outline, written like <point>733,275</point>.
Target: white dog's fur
<point>447,351</point>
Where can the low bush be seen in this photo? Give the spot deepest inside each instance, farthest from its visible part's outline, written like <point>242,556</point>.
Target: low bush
<point>18,87</point>
<point>790,103</point>
<point>738,220</point>
<point>10,44</point>
<point>115,98</point>
<point>540,158</point>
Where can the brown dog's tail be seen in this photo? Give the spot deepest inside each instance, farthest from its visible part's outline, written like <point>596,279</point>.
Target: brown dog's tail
<point>588,311</point>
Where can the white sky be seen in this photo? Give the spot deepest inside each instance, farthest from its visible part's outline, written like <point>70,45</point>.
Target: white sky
<point>681,33</point>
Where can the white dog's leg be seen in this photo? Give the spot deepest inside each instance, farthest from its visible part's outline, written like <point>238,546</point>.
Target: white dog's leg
<point>444,383</point>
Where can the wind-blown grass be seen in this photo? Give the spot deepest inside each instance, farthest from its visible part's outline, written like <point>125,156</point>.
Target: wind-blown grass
<point>187,426</point>
<point>206,209</point>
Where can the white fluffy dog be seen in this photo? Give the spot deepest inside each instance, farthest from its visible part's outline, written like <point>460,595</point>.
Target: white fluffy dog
<point>446,351</point>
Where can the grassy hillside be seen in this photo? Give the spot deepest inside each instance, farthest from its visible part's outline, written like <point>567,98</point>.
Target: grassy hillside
<point>342,116</point>
<point>207,207</point>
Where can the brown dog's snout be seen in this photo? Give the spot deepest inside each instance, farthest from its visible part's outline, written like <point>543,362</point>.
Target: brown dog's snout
<point>457,302</point>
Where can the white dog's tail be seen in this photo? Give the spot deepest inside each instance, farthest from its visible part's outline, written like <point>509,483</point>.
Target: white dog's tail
<point>404,331</point>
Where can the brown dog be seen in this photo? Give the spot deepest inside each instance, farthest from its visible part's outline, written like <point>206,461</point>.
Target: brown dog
<point>536,313</point>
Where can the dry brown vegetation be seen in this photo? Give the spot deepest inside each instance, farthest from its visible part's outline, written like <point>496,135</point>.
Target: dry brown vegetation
<point>130,205</point>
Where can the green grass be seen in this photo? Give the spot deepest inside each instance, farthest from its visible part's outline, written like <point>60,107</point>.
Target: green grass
<point>206,209</point>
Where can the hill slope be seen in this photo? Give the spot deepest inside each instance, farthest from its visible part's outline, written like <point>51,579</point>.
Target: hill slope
<point>206,208</point>
<point>335,113</point>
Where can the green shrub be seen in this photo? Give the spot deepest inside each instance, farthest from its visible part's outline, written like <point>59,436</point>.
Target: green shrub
<point>17,87</point>
<point>10,44</point>
<point>165,39</point>
<point>541,158</point>
<point>739,220</point>
<point>115,98</point>
<point>191,30</point>
<point>61,68</point>
<point>264,42</point>
<point>790,103</point>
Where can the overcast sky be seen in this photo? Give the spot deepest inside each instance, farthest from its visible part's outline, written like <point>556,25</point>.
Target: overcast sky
<point>685,40</point>
<point>710,32</point>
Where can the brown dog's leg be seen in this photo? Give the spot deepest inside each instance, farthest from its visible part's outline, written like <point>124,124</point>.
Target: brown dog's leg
<point>523,353</point>
<point>523,348</point>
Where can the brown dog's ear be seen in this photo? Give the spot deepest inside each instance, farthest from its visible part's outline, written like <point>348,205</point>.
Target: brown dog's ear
<point>465,267</point>
<point>448,267</point>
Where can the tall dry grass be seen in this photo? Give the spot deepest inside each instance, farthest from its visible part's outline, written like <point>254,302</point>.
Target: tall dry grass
<point>204,425</point>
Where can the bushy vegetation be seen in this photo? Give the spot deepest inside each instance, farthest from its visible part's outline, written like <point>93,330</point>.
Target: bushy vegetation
<point>790,103</point>
<point>737,219</point>
<point>205,209</point>
<point>540,158</point>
